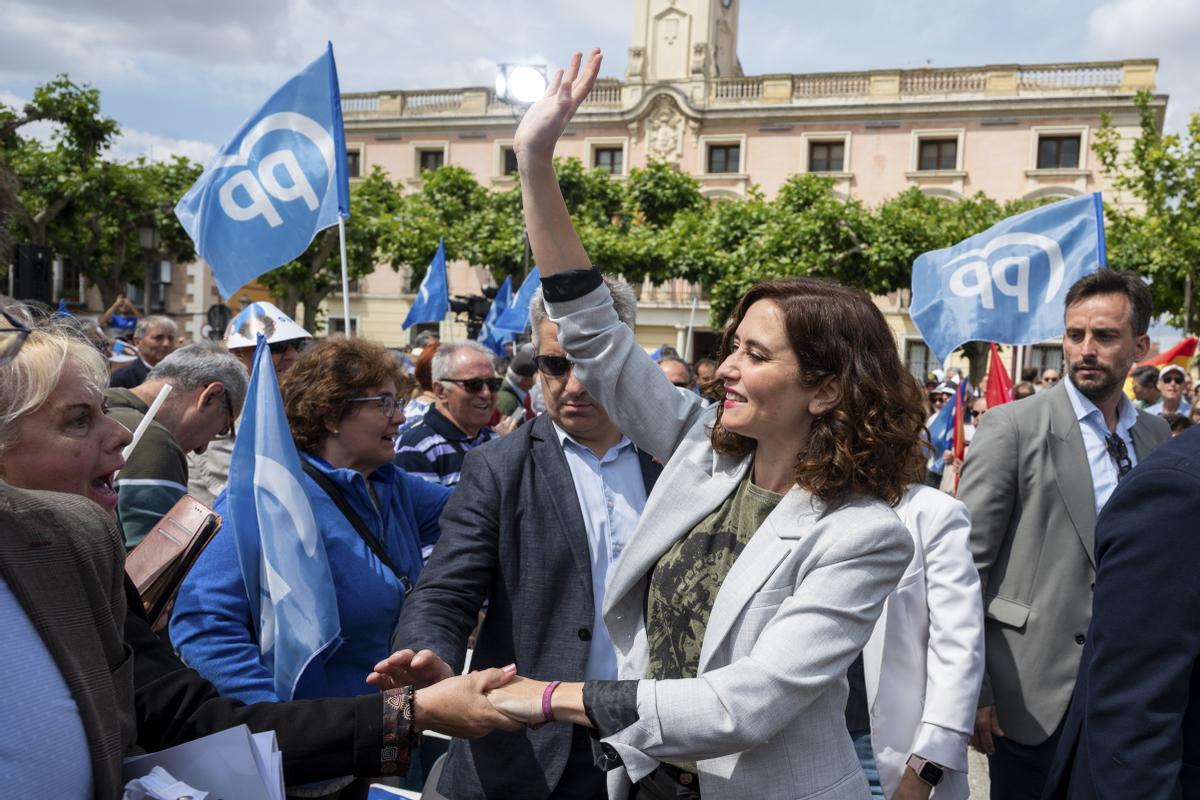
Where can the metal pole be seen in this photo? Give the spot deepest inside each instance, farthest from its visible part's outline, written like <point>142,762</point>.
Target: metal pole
<point>687,343</point>
<point>345,275</point>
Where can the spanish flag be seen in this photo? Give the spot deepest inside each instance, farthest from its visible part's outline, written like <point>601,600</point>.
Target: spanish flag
<point>1181,354</point>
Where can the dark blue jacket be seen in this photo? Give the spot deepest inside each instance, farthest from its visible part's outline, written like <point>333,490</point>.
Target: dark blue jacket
<point>1133,729</point>
<point>211,625</point>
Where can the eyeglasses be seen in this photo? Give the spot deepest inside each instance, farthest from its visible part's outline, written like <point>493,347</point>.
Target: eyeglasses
<point>475,385</point>
<point>387,403</point>
<point>1172,377</point>
<point>11,339</point>
<point>1115,446</point>
<point>1048,379</point>
<point>232,418</point>
<point>279,348</point>
<point>977,414</point>
<point>554,366</point>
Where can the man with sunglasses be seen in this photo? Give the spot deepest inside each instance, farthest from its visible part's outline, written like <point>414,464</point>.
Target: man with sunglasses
<point>1036,476</point>
<point>208,472</point>
<point>533,527</point>
<point>208,386</point>
<point>1172,386</point>
<point>465,388</point>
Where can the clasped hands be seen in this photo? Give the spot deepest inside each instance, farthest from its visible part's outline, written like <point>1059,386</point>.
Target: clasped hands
<point>475,704</point>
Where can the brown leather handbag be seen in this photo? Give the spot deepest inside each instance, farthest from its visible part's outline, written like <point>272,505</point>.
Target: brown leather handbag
<point>160,562</point>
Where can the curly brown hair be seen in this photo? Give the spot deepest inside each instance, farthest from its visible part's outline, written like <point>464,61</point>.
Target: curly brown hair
<point>870,442</point>
<point>317,387</point>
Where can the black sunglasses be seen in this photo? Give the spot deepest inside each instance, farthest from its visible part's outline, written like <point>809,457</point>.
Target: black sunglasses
<point>475,385</point>
<point>279,348</point>
<point>1115,446</point>
<point>1172,377</point>
<point>12,338</point>
<point>554,366</point>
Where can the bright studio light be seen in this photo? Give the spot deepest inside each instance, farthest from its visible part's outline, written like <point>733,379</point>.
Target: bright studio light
<point>520,84</point>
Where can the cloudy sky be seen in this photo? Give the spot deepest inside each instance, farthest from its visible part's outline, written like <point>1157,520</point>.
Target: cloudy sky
<point>181,76</point>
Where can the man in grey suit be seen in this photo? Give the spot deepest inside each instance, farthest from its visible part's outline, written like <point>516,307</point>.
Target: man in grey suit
<point>1036,475</point>
<point>536,521</point>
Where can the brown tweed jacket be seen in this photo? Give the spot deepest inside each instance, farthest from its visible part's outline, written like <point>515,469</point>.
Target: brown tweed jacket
<point>65,562</point>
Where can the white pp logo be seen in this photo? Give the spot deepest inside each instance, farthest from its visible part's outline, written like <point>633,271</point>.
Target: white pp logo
<point>267,184</point>
<point>988,276</point>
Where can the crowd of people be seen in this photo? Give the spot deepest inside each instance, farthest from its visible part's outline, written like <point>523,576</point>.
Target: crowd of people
<point>739,577</point>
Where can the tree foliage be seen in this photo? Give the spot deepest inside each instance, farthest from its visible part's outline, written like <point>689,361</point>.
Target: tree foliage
<point>375,203</point>
<point>1159,236</point>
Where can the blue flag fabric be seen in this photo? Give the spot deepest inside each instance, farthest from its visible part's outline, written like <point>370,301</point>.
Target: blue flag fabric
<point>433,298</point>
<point>275,184</point>
<point>284,564</point>
<point>515,318</point>
<point>941,430</point>
<point>488,335</point>
<point>1008,284</point>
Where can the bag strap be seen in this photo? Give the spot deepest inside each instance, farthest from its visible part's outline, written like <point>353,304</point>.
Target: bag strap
<point>339,499</point>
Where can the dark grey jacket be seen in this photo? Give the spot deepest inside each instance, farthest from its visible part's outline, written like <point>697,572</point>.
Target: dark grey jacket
<point>513,534</point>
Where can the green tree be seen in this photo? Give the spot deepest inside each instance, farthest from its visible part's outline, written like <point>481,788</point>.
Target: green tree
<point>37,183</point>
<point>448,199</point>
<point>374,205</point>
<point>1158,235</point>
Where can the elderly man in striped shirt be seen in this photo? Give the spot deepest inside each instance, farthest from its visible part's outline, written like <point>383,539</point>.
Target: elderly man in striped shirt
<point>466,386</point>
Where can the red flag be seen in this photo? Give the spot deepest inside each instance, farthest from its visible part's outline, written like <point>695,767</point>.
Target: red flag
<point>999,385</point>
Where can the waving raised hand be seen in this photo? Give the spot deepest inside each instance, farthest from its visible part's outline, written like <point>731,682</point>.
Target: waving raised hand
<point>546,119</point>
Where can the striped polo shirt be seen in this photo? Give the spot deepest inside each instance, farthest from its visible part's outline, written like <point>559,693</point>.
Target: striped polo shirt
<point>435,448</point>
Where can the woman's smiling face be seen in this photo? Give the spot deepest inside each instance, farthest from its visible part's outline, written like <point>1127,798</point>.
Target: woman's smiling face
<point>764,400</point>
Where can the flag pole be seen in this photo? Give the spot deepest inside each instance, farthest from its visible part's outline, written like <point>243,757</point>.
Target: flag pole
<point>687,345</point>
<point>345,274</point>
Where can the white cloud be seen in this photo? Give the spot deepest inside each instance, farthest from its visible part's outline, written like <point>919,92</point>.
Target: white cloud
<point>133,143</point>
<point>1164,29</point>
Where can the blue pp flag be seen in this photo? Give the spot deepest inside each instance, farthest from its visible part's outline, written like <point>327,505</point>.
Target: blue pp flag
<point>1008,284</point>
<point>488,335</point>
<point>279,181</point>
<point>282,555</point>
<point>515,318</point>
<point>433,298</point>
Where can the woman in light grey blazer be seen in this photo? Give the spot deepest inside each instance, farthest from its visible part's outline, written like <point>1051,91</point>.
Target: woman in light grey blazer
<point>766,549</point>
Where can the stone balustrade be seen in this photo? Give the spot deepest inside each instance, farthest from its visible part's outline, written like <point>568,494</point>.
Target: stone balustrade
<point>1117,77</point>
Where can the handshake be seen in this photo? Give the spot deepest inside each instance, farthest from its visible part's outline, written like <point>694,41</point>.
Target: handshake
<point>473,705</point>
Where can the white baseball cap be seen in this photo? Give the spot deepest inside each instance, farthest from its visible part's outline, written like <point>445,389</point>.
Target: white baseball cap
<point>1172,368</point>
<point>262,318</point>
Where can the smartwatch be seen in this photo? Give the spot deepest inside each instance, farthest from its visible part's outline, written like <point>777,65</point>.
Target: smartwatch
<point>926,770</point>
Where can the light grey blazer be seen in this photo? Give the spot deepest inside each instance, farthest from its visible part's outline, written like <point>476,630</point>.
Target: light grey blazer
<point>1027,484</point>
<point>766,716</point>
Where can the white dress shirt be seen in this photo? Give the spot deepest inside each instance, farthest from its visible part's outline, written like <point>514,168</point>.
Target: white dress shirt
<point>611,494</point>
<point>1095,431</point>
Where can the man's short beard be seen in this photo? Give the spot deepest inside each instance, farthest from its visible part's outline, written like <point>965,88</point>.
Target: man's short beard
<point>1096,393</point>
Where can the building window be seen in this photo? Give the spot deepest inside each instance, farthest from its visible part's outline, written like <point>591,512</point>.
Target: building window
<point>826,156</point>
<point>354,163</point>
<point>1058,152</point>
<point>1044,356</point>
<point>510,161</point>
<point>937,154</point>
<point>431,159</point>
<point>724,158</point>
<point>919,359</point>
<point>609,159</point>
<point>336,326</point>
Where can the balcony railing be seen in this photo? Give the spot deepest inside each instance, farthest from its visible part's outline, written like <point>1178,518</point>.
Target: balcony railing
<point>802,89</point>
<point>1071,76</point>
<point>834,84</point>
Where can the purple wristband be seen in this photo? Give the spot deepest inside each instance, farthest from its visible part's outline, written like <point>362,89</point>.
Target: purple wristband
<point>547,693</point>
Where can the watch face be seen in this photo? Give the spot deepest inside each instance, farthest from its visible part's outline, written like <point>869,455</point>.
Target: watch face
<point>931,773</point>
